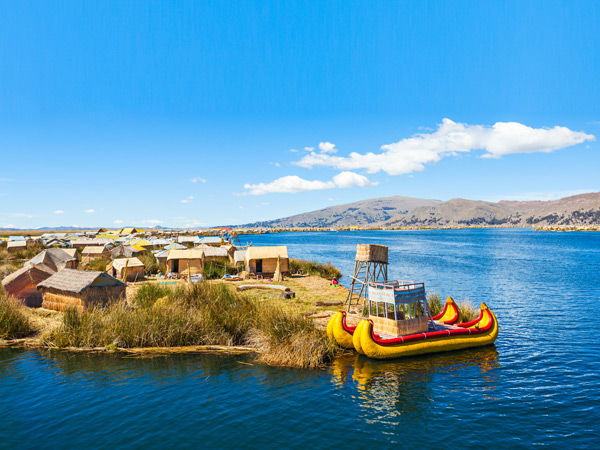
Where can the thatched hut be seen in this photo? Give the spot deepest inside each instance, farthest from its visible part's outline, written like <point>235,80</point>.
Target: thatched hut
<point>125,250</point>
<point>213,241</point>
<point>71,252</point>
<point>94,252</point>
<point>56,259</point>
<point>132,268</point>
<point>16,246</point>
<point>83,243</point>
<point>263,260</point>
<point>80,289</point>
<point>22,284</point>
<point>214,254</point>
<point>161,256</point>
<point>185,261</point>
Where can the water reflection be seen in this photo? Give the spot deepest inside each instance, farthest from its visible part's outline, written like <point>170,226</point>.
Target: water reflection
<point>405,386</point>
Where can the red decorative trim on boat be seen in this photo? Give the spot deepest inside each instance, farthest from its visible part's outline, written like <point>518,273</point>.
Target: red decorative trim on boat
<point>346,327</point>
<point>470,323</point>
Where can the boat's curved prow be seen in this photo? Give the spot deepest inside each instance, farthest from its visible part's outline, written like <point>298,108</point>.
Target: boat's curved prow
<point>449,314</point>
<point>339,331</point>
<point>480,332</point>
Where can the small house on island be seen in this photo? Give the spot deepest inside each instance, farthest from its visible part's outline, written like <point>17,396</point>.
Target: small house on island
<point>263,260</point>
<point>16,246</point>
<point>126,269</point>
<point>56,259</point>
<point>94,252</point>
<point>214,254</point>
<point>185,261</point>
<point>22,284</point>
<point>79,288</point>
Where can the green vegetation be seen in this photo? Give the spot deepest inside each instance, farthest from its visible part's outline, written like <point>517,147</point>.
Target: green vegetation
<point>214,270</point>
<point>148,293</point>
<point>467,311</point>
<point>199,314</point>
<point>13,323</point>
<point>434,302</point>
<point>327,271</point>
<point>95,264</point>
<point>151,264</point>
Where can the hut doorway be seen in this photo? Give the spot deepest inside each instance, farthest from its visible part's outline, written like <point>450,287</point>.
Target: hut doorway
<point>259,266</point>
<point>175,266</point>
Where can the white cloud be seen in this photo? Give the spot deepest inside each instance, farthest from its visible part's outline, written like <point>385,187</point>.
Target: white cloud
<point>25,215</point>
<point>118,221</point>
<point>327,147</point>
<point>293,150</point>
<point>289,184</point>
<point>293,184</point>
<point>351,179</point>
<point>58,211</point>
<point>411,154</point>
<point>187,199</point>
<point>198,179</point>
<point>90,211</point>
<point>309,149</point>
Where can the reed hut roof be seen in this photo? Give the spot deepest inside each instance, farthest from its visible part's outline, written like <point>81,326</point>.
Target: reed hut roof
<point>87,242</point>
<point>94,250</point>
<point>214,252</point>
<point>175,246</point>
<point>124,250</point>
<point>54,258</point>
<point>16,244</point>
<point>187,239</point>
<point>129,262</point>
<point>71,252</point>
<point>209,240</point>
<point>266,252</point>
<point>29,273</point>
<point>104,240</point>
<point>186,254</point>
<point>77,281</point>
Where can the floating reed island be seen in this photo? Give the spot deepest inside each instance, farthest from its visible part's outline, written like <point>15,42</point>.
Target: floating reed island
<point>178,294</point>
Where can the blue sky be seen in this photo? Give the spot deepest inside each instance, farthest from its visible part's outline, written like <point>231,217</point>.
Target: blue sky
<point>186,113</point>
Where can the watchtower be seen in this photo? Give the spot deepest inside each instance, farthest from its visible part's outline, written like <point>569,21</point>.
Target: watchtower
<point>371,265</point>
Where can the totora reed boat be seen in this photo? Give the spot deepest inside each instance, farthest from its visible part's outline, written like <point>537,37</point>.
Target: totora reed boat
<point>399,325</point>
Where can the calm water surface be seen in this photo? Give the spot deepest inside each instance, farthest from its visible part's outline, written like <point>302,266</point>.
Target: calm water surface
<point>538,386</point>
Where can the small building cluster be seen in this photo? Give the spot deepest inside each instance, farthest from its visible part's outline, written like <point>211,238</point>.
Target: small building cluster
<point>52,278</point>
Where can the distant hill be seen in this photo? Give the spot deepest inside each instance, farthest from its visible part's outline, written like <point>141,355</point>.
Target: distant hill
<point>583,209</point>
<point>360,213</point>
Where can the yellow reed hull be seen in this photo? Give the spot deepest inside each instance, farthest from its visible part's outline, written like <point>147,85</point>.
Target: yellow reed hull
<point>434,345</point>
<point>337,332</point>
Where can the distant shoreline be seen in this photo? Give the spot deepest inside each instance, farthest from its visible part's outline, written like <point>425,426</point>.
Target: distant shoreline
<point>245,231</point>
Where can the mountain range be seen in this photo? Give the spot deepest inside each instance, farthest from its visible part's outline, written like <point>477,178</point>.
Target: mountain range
<point>398,211</point>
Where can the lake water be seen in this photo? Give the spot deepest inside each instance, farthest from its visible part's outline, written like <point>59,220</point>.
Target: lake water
<point>538,386</point>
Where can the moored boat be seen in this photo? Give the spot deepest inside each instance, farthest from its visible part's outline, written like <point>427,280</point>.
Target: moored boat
<point>477,333</point>
<point>399,325</point>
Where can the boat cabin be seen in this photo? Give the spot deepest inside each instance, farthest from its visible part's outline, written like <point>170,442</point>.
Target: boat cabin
<point>398,308</point>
